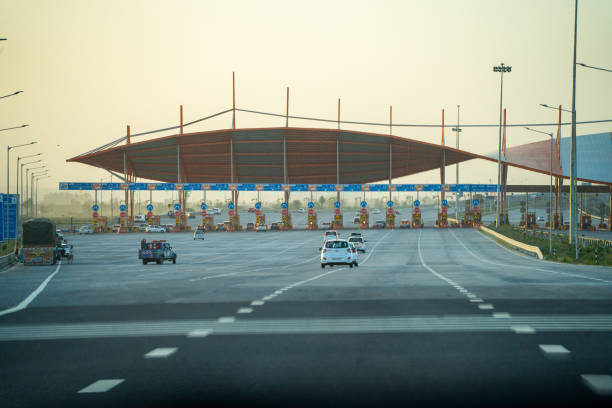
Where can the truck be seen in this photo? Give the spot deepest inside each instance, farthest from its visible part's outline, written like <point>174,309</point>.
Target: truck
<point>156,251</point>
<point>39,242</point>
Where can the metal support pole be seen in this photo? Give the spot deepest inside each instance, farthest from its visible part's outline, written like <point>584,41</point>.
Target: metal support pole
<point>338,153</point>
<point>390,149</point>
<point>457,168</point>
<point>573,168</point>
<point>550,213</point>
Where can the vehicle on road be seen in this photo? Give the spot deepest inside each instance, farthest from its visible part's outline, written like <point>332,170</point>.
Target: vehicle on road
<point>40,242</point>
<point>251,210</point>
<point>540,219</point>
<point>139,218</point>
<point>375,211</point>
<point>86,229</point>
<point>358,243</point>
<point>65,251</point>
<point>59,236</point>
<point>275,226</point>
<point>404,223</point>
<point>221,227</point>
<point>338,252</point>
<point>326,225</point>
<point>330,234</point>
<point>156,251</point>
<point>216,211</point>
<point>356,219</point>
<point>198,233</point>
<point>379,224</point>
<point>155,228</point>
<point>250,226</point>
<point>301,210</point>
<point>261,228</point>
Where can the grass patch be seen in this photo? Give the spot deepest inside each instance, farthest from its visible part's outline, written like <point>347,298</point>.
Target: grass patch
<point>562,250</point>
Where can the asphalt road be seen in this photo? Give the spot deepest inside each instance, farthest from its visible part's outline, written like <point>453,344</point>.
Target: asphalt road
<point>429,318</point>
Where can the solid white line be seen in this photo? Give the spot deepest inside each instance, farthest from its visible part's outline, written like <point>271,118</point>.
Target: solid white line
<point>25,302</point>
<point>599,384</point>
<point>554,349</point>
<point>161,352</point>
<point>501,315</point>
<point>101,386</point>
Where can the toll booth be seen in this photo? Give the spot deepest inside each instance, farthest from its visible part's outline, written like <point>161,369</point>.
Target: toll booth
<point>468,218</point>
<point>100,224</point>
<point>154,220</point>
<point>123,225</point>
<point>364,219</point>
<point>390,218</point>
<point>476,216</point>
<point>234,220</point>
<point>417,221</point>
<point>260,218</point>
<point>285,218</point>
<point>585,221</point>
<point>209,222</point>
<point>442,221</point>
<point>338,221</point>
<point>311,223</point>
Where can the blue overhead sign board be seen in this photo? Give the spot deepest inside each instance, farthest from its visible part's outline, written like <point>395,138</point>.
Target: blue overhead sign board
<point>475,188</point>
<point>12,221</point>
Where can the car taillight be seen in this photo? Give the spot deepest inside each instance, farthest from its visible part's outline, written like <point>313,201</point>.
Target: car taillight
<point>353,250</point>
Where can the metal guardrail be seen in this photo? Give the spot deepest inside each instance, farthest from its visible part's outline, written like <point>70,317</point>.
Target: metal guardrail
<point>586,241</point>
<point>529,249</point>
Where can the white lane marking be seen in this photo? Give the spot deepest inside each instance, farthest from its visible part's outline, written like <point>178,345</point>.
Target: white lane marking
<point>25,302</point>
<point>161,352</point>
<point>554,349</point>
<point>471,295</point>
<point>226,319</point>
<point>101,385</point>
<point>501,315</point>
<point>374,247</point>
<point>523,329</point>
<point>267,297</point>
<point>600,384</point>
<point>257,303</point>
<point>213,276</point>
<point>245,310</point>
<point>485,306</point>
<point>199,333</point>
<point>476,300</point>
<point>438,275</point>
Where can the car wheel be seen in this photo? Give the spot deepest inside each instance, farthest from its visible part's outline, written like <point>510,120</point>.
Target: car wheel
<point>323,266</point>
<point>174,260</point>
<point>350,265</point>
<point>159,261</point>
<point>144,262</point>
<point>356,264</point>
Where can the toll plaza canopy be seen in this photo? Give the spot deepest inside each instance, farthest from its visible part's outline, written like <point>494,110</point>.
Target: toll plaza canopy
<point>312,155</point>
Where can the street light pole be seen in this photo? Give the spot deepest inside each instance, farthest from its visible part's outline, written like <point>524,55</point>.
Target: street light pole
<point>22,201</point>
<point>8,181</point>
<point>28,187</point>
<point>457,130</point>
<point>550,220</point>
<point>501,68</point>
<point>35,175</point>
<point>38,178</point>
<point>572,232</point>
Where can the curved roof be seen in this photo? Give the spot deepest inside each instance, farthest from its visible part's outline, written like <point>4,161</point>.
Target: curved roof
<point>205,157</point>
<point>258,156</point>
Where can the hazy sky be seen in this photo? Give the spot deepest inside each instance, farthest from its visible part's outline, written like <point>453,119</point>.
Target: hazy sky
<point>89,68</point>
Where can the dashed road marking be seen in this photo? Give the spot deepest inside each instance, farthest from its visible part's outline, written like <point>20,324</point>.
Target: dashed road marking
<point>486,306</point>
<point>199,333</point>
<point>101,385</point>
<point>600,384</point>
<point>476,300</point>
<point>245,310</point>
<point>161,352</point>
<point>226,319</point>
<point>523,329</point>
<point>553,350</point>
<point>501,315</point>
<point>257,303</point>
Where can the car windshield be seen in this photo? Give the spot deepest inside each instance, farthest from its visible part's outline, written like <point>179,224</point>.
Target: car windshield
<point>355,239</point>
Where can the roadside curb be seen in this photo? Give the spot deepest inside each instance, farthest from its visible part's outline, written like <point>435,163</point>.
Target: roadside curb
<point>531,249</point>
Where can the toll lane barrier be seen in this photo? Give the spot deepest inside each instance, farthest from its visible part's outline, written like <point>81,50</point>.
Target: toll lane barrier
<point>530,249</point>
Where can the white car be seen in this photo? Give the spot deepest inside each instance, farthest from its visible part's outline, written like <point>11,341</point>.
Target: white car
<point>216,211</point>
<point>301,210</point>
<point>338,252</point>
<point>358,242</point>
<point>86,229</point>
<point>155,228</point>
<point>261,228</point>
<point>375,211</point>
<point>540,219</point>
<point>198,234</point>
<point>331,234</point>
